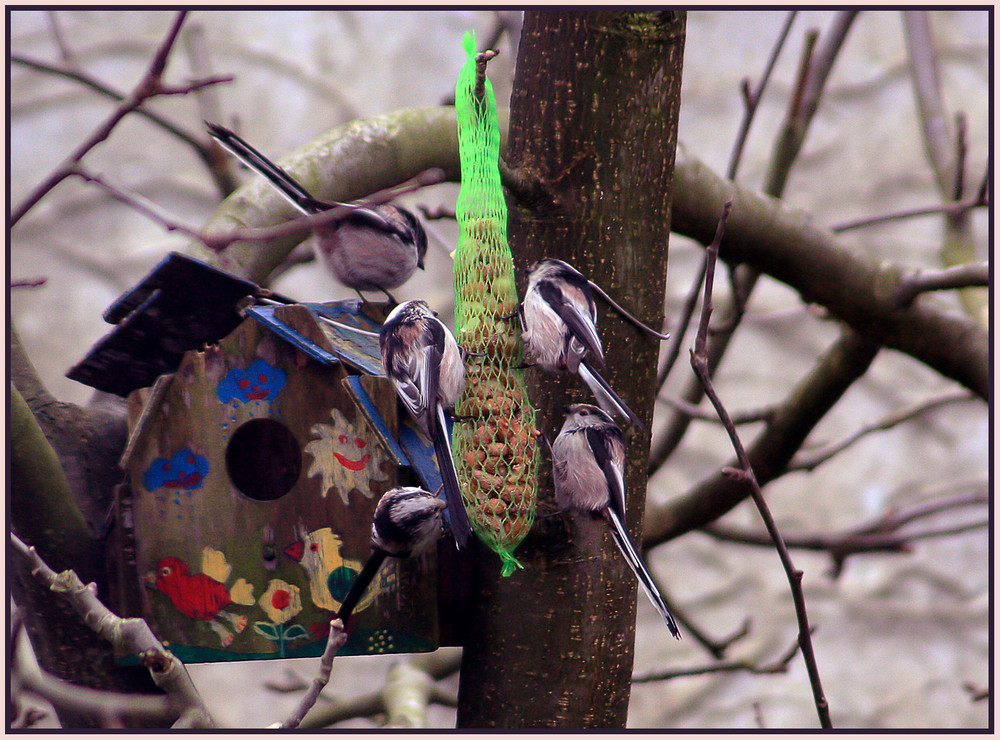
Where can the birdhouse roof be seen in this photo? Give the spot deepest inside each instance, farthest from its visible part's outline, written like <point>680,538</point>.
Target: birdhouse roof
<point>185,304</point>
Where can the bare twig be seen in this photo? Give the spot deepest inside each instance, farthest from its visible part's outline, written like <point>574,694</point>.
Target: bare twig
<point>811,460</point>
<point>137,202</point>
<point>681,327</point>
<point>482,59</point>
<point>131,636</point>
<point>960,276</point>
<point>752,98</point>
<point>149,86</point>
<point>715,647</point>
<point>699,362</point>
<point>29,283</point>
<point>336,640</point>
<point>878,535</point>
<point>749,416</point>
<point>203,149</point>
<point>65,52</point>
<point>778,665</point>
<point>949,209</point>
<point>436,666</point>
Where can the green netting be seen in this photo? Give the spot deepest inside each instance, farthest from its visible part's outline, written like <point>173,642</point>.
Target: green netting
<point>495,450</point>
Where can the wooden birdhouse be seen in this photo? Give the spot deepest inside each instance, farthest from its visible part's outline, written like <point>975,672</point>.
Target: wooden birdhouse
<point>261,436</point>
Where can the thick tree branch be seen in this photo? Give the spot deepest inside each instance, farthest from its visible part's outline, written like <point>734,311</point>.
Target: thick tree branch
<point>859,291</point>
<point>132,636</point>
<point>945,153</point>
<point>42,509</point>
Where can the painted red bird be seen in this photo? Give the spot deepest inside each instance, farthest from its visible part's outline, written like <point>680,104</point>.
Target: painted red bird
<point>199,596</point>
<point>196,596</point>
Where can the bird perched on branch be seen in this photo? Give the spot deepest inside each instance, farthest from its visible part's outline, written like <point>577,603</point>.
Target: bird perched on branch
<point>407,522</point>
<point>424,363</point>
<point>588,459</point>
<point>559,319</point>
<point>371,248</point>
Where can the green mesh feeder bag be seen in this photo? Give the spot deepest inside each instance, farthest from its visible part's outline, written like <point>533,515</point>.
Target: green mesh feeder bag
<point>495,450</point>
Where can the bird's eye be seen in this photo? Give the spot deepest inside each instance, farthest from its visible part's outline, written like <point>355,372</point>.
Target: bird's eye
<point>314,547</point>
<point>164,571</point>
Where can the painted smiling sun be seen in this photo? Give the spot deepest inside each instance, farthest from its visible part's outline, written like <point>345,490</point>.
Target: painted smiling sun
<point>343,459</point>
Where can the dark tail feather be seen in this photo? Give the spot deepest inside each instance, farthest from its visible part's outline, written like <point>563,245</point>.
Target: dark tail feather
<point>360,585</point>
<point>457,517</point>
<point>607,399</point>
<point>631,554</point>
<point>264,167</point>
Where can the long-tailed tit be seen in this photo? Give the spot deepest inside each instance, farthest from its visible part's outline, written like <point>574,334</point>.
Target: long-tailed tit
<point>407,522</point>
<point>559,318</point>
<point>422,359</point>
<point>375,248</point>
<point>588,459</point>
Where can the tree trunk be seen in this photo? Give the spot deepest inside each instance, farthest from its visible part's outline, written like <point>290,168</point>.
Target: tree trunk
<point>594,128</point>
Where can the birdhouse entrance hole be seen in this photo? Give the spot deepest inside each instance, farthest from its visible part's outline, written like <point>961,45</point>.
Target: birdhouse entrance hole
<point>263,459</point>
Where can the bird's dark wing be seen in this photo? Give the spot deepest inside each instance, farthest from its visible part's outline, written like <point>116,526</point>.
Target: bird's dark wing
<point>608,445</point>
<point>406,369</point>
<point>575,312</point>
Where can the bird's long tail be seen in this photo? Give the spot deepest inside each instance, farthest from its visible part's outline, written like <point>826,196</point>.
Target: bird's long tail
<point>360,585</point>
<point>606,398</point>
<point>457,518</point>
<point>264,167</point>
<point>628,548</point>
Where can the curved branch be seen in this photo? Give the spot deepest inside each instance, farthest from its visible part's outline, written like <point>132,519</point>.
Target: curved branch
<point>132,636</point>
<point>42,509</point>
<point>861,292</point>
